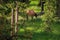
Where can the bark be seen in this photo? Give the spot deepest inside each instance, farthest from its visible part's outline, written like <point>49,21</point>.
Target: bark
<point>58,8</point>
<point>16,17</point>
<point>12,22</point>
<point>1,1</point>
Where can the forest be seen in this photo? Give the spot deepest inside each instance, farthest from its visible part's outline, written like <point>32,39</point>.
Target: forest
<point>29,19</point>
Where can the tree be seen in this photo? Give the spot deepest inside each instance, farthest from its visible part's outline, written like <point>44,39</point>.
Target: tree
<point>58,8</point>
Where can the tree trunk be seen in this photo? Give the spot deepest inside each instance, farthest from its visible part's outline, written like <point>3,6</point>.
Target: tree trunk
<point>58,8</point>
<point>1,1</point>
<point>12,22</point>
<point>16,17</point>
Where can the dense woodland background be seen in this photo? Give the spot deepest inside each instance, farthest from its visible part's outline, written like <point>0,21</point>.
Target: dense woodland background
<point>15,26</point>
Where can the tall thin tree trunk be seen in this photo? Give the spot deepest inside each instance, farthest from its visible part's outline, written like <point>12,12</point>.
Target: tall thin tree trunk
<point>12,22</point>
<point>1,1</point>
<point>58,8</point>
<point>16,17</point>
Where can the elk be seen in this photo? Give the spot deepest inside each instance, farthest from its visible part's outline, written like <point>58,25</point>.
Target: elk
<point>31,13</point>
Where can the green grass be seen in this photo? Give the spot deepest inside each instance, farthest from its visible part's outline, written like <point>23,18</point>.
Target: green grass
<point>38,32</point>
<point>36,27</point>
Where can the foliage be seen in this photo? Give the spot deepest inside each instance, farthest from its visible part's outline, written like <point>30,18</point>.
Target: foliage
<point>38,26</point>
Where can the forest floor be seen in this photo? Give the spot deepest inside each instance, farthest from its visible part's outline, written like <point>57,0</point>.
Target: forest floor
<point>35,29</point>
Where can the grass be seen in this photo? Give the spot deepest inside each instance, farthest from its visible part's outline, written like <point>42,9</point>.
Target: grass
<point>36,27</point>
<point>38,32</point>
<point>45,36</point>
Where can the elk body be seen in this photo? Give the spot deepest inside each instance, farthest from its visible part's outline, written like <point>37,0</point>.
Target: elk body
<point>31,13</point>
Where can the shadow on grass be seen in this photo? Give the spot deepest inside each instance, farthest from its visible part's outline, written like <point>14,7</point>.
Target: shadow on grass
<point>45,36</point>
<point>35,20</point>
<point>31,23</point>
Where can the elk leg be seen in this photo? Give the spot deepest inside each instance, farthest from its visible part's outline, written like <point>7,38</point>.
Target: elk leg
<point>32,17</point>
<point>35,15</point>
<point>27,17</point>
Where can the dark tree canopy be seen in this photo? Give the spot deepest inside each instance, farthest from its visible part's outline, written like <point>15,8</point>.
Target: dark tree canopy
<point>25,1</point>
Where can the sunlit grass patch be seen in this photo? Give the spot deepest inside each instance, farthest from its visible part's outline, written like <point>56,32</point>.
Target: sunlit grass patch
<point>22,30</point>
<point>30,28</point>
<point>37,31</point>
